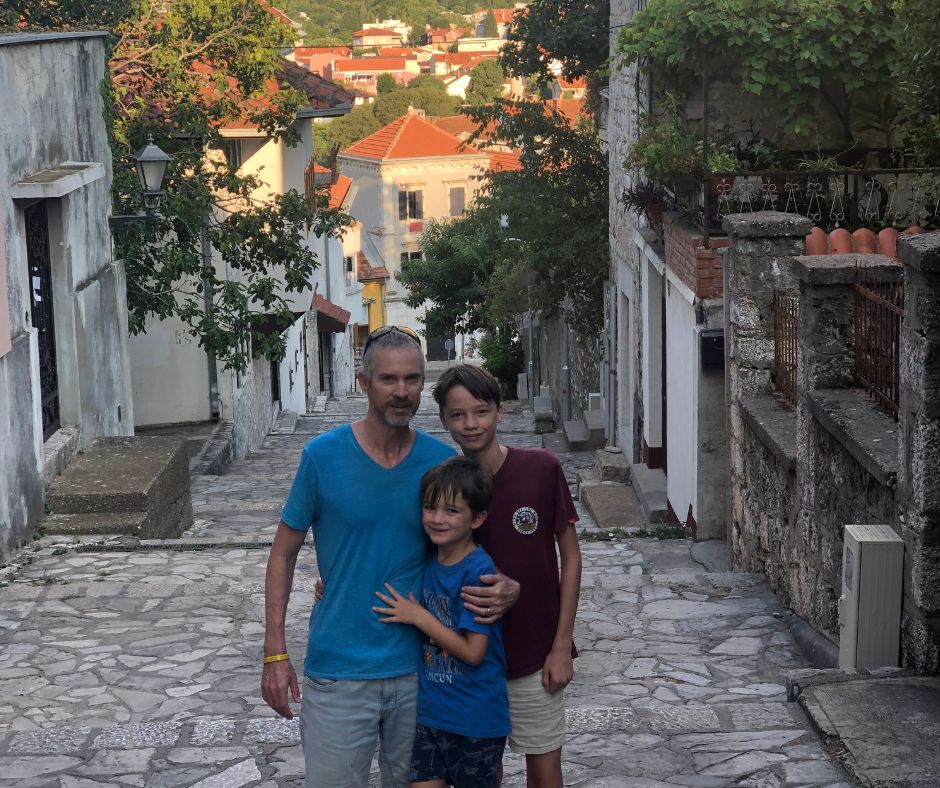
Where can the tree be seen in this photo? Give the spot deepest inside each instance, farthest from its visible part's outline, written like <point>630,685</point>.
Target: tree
<point>916,72</point>
<point>805,54</point>
<point>574,32</point>
<point>475,275</point>
<point>182,74</point>
<point>434,102</point>
<point>358,124</point>
<point>486,83</point>
<point>385,84</point>
<point>490,29</point>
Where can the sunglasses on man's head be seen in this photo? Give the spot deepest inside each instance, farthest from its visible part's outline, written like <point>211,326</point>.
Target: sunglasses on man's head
<point>383,330</point>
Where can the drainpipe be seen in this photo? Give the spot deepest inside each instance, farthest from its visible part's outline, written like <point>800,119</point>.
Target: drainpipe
<point>326,271</point>
<point>566,369</point>
<point>215,407</point>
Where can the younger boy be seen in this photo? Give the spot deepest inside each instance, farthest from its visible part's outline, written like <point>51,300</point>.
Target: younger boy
<point>463,712</point>
<point>530,512</point>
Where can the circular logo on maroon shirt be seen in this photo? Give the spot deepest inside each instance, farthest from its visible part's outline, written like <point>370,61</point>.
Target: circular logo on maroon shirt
<point>525,520</point>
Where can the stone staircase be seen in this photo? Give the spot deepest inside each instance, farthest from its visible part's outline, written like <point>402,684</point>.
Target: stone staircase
<point>590,431</point>
<point>621,495</point>
<point>134,486</point>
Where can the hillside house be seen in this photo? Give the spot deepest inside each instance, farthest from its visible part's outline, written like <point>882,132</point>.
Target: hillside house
<point>377,37</point>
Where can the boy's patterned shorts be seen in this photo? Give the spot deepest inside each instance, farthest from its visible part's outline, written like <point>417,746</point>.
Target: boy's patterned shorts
<point>464,761</point>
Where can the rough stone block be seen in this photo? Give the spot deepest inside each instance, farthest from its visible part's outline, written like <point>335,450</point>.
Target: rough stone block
<point>612,466</point>
<point>925,576</point>
<point>139,474</point>
<point>58,451</point>
<point>922,303</point>
<point>920,252</point>
<point>841,269</point>
<point>766,224</point>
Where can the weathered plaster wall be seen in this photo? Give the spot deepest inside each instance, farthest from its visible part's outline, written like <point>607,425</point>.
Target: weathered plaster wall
<point>249,407</point>
<point>583,358</point>
<point>626,98</point>
<point>53,114</point>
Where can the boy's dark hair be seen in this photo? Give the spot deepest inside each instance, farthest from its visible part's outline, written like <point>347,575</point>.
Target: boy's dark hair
<point>458,475</point>
<point>480,383</point>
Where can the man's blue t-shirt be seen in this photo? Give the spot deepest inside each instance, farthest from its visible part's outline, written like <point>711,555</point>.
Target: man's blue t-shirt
<point>453,696</point>
<point>366,523</point>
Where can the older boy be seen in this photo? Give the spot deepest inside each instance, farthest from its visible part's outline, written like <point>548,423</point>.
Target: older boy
<point>530,512</point>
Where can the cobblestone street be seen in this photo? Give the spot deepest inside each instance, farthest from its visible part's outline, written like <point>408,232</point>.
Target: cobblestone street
<point>141,667</point>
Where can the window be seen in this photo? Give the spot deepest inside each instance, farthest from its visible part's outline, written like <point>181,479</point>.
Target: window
<point>457,201</point>
<point>233,152</point>
<point>406,256</point>
<point>349,266</point>
<point>410,205</point>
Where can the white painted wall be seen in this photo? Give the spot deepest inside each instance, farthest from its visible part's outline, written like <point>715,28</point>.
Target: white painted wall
<point>170,375</point>
<point>681,398</point>
<point>652,351</point>
<point>292,368</point>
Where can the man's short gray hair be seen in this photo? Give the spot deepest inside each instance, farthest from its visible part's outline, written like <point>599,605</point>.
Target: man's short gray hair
<point>390,341</point>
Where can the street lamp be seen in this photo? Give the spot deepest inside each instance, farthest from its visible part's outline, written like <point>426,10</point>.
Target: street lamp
<point>151,164</point>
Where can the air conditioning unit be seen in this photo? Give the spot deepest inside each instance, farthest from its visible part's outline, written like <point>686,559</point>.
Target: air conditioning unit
<point>870,605</point>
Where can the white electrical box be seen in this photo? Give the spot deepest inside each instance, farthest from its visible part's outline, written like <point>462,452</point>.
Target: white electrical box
<point>870,605</point>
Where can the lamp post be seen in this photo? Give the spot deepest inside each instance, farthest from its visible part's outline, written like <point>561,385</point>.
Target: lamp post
<point>151,164</point>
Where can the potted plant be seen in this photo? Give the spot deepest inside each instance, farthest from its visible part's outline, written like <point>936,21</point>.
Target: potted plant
<point>666,149</point>
<point>645,197</point>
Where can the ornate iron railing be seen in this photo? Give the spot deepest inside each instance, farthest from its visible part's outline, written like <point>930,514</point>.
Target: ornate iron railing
<point>786,317</point>
<point>879,308</point>
<point>831,198</point>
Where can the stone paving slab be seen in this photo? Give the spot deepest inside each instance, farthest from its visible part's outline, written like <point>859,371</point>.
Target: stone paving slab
<point>137,665</point>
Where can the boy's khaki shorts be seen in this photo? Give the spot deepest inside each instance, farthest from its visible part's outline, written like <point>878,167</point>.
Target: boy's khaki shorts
<point>538,719</point>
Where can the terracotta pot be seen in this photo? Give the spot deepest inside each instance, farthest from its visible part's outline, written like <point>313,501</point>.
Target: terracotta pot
<point>817,242</point>
<point>865,241</point>
<point>913,230</point>
<point>840,241</point>
<point>888,242</point>
<point>654,212</point>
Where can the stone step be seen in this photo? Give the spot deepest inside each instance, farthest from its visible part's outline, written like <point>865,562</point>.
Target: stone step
<point>612,466</point>
<point>650,487</point>
<point>596,423</point>
<point>555,442</point>
<point>127,523</point>
<point>576,434</point>
<point>286,423</point>
<point>129,475</point>
<point>586,477</point>
<point>612,505</point>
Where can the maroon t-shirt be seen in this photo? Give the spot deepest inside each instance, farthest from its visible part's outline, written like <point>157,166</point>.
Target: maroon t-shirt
<point>531,504</point>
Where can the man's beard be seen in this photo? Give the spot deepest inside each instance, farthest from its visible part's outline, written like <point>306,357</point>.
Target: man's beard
<point>397,419</point>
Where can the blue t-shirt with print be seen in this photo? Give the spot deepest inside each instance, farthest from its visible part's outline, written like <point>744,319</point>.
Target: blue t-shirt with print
<point>366,522</point>
<point>453,696</point>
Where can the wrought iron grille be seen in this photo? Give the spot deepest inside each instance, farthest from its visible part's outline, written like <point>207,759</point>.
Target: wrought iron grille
<point>786,316</point>
<point>879,308</point>
<point>831,199</point>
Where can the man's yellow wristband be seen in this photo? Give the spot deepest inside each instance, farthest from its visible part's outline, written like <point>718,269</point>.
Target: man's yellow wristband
<point>275,658</point>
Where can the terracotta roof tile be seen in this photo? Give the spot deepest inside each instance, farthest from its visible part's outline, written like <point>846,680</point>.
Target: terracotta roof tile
<point>330,309</point>
<point>863,241</point>
<point>571,109</point>
<point>409,137</point>
<point>366,272</point>
<point>375,31</point>
<point>502,162</point>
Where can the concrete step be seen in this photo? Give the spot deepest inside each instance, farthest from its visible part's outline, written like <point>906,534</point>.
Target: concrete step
<point>596,423</point>
<point>612,505</point>
<point>577,435</point>
<point>612,466</point>
<point>650,487</point>
<point>555,442</point>
<point>128,523</point>
<point>286,423</point>
<point>586,477</point>
<point>129,475</point>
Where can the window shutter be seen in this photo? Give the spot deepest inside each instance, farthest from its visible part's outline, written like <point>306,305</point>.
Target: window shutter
<point>402,205</point>
<point>419,206</point>
<point>456,201</point>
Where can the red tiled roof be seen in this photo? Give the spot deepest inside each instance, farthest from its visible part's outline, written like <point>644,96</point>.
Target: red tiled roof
<point>321,93</point>
<point>375,31</point>
<point>863,241</point>
<point>503,162</point>
<point>308,51</point>
<point>571,109</point>
<point>406,52</point>
<point>463,58</point>
<point>574,84</point>
<point>330,309</point>
<point>409,137</point>
<point>462,126</point>
<point>363,64</point>
<point>366,272</point>
<point>503,15</point>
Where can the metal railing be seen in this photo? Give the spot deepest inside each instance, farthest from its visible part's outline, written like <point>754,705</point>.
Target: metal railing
<point>786,317</point>
<point>830,198</point>
<point>879,308</point>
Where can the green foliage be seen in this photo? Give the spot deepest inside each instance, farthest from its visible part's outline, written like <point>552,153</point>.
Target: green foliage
<point>490,28</point>
<point>665,148</point>
<point>503,357</point>
<point>385,84</point>
<point>344,131</point>
<point>574,32</point>
<point>486,82</point>
<point>181,75</point>
<point>434,102</point>
<point>476,275</point>
<point>917,75</point>
<point>805,53</point>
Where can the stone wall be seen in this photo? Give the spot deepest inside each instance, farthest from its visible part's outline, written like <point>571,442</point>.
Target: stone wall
<point>253,413</point>
<point>583,360</point>
<point>800,474</point>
